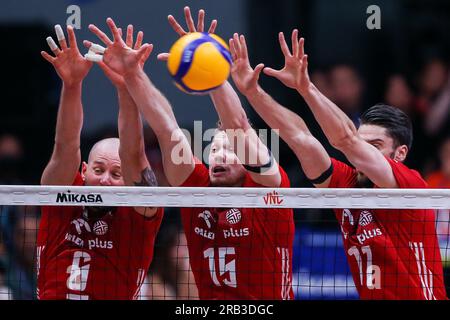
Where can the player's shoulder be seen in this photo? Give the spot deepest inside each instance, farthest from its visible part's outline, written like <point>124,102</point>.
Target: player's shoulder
<point>78,180</point>
<point>405,176</point>
<point>343,175</point>
<point>199,177</point>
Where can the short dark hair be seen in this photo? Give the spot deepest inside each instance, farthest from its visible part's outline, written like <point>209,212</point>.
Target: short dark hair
<point>397,124</point>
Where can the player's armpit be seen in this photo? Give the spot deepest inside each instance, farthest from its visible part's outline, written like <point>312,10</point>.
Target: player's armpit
<point>148,179</point>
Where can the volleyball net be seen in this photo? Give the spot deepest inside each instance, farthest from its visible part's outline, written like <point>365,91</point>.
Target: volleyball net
<point>330,250</point>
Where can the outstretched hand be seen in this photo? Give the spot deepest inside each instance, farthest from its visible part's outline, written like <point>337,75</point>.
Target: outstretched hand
<point>68,62</point>
<point>118,55</point>
<point>295,71</point>
<point>244,76</point>
<point>115,77</point>
<point>191,27</point>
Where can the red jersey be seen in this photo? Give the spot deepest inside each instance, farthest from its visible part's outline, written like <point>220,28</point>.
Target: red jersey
<point>239,253</point>
<point>81,258</point>
<point>392,253</point>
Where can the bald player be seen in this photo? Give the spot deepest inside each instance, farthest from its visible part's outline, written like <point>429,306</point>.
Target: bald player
<point>236,253</point>
<point>94,252</point>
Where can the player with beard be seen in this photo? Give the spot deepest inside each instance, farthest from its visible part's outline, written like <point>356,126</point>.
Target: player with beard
<point>94,252</point>
<point>393,254</point>
<point>237,253</point>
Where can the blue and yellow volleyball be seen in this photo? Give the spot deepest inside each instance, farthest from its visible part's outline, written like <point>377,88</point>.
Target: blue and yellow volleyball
<point>199,62</point>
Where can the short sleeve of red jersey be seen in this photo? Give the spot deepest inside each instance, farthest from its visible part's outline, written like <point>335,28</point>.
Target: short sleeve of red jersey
<point>343,175</point>
<point>285,182</point>
<point>406,177</point>
<point>199,177</point>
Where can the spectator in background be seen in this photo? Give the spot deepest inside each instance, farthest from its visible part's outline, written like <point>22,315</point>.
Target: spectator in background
<point>441,179</point>
<point>431,81</point>
<point>19,227</point>
<point>347,90</point>
<point>432,111</point>
<point>11,159</point>
<point>321,80</point>
<point>5,291</point>
<point>170,276</point>
<point>399,94</point>
<point>438,118</point>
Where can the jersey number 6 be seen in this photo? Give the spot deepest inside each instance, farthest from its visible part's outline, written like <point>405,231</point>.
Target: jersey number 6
<point>78,275</point>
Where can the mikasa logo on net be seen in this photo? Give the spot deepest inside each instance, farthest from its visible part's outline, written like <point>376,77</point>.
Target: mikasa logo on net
<point>78,198</point>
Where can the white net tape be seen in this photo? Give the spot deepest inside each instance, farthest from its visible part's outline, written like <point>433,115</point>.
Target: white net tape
<point>226,197</point>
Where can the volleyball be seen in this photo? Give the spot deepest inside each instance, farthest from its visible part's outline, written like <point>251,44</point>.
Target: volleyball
<point>199,62</point>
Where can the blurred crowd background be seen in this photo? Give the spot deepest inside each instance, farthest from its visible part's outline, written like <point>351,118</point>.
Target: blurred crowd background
<point>404,64</point>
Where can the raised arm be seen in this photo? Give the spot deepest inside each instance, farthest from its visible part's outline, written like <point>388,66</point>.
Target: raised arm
<point>232,115</point>
<point>72,68</point>
<point>339,129</point>
<point>154,106</point>
<point>310,152</point>
<point>135,167</point>
<point>251,151</point>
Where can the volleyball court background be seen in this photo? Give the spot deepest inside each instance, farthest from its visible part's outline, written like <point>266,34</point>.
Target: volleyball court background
<point>404,64</point>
